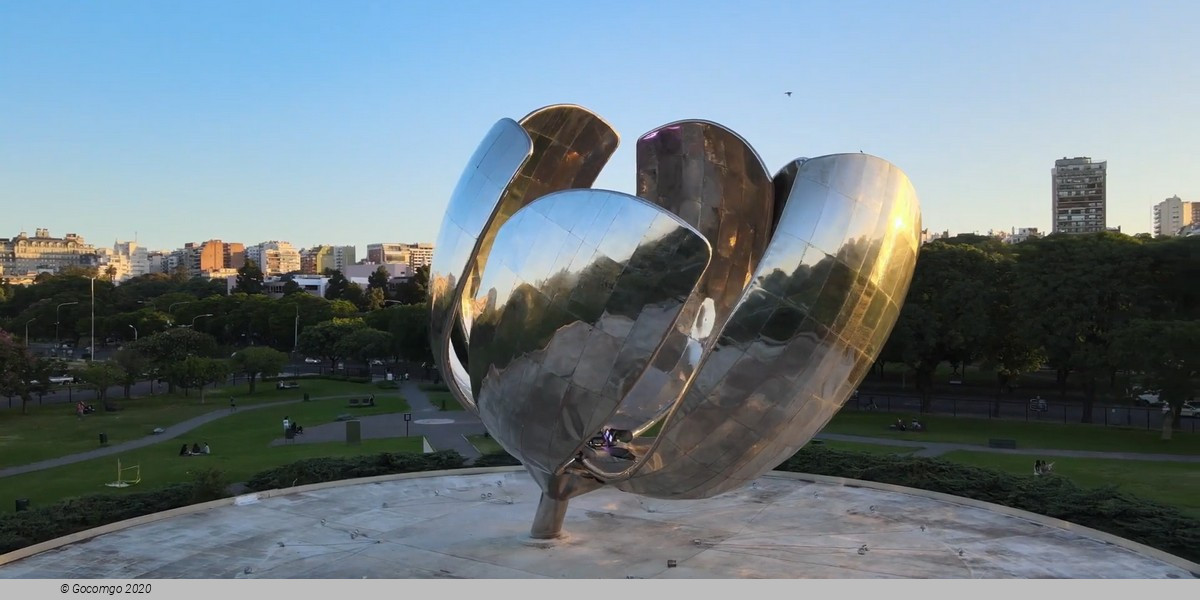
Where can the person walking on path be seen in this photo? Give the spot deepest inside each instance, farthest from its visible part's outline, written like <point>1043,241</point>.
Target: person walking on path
<point>287,424</point>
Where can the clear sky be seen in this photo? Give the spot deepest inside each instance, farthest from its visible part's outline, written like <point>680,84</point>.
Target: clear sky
<point>349,122</point>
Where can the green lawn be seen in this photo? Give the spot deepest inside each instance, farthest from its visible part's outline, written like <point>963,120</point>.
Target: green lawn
<point>240,444</point>
<point>485,444</point>
<point>444,401</point>
<point>52,430</point>
<point>1171,483</point>
<point>977,431</point>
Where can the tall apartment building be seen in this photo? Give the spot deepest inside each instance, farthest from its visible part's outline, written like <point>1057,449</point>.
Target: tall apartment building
<point>318,258</point>
<point>1172,215</point>
<point>413,255</point>
<point>1078,195</point>
<point>123,261</point>
<point>24,254</point>
<point>209,258</point>
<point>275,257</point>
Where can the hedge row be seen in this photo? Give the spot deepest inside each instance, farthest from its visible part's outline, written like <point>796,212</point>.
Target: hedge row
<point>1106,509</point>
<point>25,528</point>
<point>319,470</point>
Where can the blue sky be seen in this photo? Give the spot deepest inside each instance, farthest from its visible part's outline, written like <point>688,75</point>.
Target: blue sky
<point>349,122</point>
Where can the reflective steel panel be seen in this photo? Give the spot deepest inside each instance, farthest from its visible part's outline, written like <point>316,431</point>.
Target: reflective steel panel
<point>677,343</point>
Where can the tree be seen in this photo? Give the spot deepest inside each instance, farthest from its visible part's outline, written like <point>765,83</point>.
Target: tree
<point>375,299</point>
<point>100,376</point>
<point>1072,293</point>
<point>249,278</point>
<point>291,287</point>
<point>324,339</point>
<point>258,360</point>
<point>365,344</point>
<point>1166,353</point>
<point>133,364</point>
<point>409,326</point>
<point>379,279</point>
<point>1008,348</point>
<point>336,288</point>
<point>945,315</point>
<point>197,372</point>
<point>173,346</point>
<point>21,373</point>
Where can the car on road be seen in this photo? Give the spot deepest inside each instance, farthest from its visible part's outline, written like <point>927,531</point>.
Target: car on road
<point>312,361</point>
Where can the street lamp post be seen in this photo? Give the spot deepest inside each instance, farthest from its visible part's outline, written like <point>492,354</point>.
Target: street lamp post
<point>296,329</point>
<point>57,340</point>
<point>27,330</point>
<point>172,306</point>
<point>197,317</point>
<point>92,351</point>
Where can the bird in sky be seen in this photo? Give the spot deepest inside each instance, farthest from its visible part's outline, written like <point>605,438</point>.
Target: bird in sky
<point>788,94</point>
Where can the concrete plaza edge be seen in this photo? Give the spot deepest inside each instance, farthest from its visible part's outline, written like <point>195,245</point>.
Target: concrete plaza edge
<point>1139,548</point>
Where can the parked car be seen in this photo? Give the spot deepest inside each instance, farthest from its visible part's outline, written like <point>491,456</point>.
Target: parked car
<point>1190,409</point>
<point>62,379</point>
<point>1147,398</point>
<point>311,360</point>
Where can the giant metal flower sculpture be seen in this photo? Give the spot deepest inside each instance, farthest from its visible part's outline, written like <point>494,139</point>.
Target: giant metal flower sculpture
<point>677,343</point>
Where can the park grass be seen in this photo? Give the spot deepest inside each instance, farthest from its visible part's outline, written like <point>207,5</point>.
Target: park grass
<point>241,446</point>
<point>865,448</point>
<point>53,430</point>
<point>485,444</point>
<point>444,401</point>
<point>1172,483</point>
<point>977,431</point>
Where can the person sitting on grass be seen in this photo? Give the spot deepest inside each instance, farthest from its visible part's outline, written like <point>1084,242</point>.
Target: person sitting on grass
<point>183,451</point>
<point>195,449</point>
<point>207,450</point>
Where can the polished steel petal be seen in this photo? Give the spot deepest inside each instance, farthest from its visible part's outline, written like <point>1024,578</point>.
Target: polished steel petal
<point>675,344</point>
<point>565,328</point>
<point>553,148</point>
<point>800,339</point>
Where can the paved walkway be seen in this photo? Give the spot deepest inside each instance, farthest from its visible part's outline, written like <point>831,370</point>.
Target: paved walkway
<point>448,430</point>
<point>444,430</point>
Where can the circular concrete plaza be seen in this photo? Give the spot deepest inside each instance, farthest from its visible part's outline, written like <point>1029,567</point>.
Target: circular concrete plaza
<point>474,523</point>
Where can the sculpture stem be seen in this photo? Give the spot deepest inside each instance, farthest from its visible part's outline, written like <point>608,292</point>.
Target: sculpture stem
<point>547,523</point>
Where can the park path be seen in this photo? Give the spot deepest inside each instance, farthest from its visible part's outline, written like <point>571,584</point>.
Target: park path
<point>940,448</point>
<point>444,430</point>
<point>447,430</point>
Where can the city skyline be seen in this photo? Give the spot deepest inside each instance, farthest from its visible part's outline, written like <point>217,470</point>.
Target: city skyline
<point>348,124</point>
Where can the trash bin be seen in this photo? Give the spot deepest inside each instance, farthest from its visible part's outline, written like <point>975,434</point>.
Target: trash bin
<point>353,432</point>
<point>22,504</point>
<point>103,439</point>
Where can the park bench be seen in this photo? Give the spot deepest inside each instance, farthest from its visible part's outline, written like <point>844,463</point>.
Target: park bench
<point>1001,443</point>
<point>362,402</point>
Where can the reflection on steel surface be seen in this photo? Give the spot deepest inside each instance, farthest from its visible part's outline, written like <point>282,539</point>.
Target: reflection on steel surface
<point>677,343</point>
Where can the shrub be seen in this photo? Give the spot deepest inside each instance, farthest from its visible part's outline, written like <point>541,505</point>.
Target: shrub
<point>1105,509</point>
<point>499,459</point>
<point>318,470</point>
<point>18,530</point>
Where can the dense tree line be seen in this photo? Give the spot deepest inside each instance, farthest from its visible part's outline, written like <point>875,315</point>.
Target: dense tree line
<point>1088,306</point>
